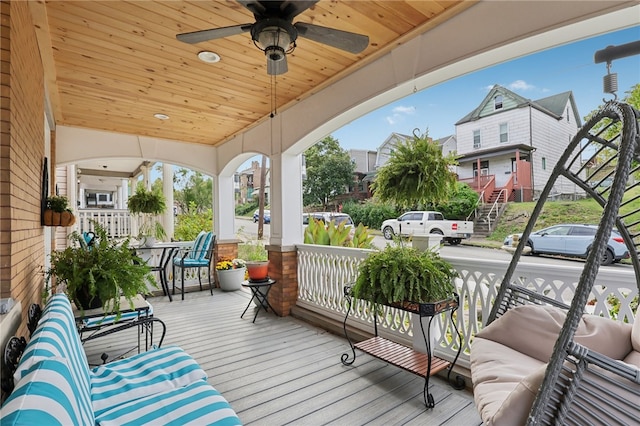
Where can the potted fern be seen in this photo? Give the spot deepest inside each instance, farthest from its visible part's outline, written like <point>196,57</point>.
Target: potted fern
<point>404,275</point>
<point>146,205</point>
<point>99,275</point>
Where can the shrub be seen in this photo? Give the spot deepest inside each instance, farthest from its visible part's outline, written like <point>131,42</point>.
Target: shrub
<point>189,225</point>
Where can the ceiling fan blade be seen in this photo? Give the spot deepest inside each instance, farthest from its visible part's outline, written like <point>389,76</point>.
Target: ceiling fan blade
<point>350,42</point>
<point>214,33</point>
<point>277,67</point>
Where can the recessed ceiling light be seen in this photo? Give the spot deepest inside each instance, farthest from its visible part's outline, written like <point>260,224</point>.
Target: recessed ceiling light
<point>161,116</point>
<point>208,57</point>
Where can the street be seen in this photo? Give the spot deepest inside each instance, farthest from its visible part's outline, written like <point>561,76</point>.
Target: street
<point>247,230</point>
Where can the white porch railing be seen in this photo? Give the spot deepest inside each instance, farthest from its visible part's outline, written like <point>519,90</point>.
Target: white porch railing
<point>323,271</point>
<point>116,222</point>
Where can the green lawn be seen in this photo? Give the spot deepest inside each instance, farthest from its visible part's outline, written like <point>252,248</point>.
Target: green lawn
<point>588,211</point>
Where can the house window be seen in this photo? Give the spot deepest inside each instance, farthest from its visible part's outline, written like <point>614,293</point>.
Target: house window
<point>497,102</point>
<point>476,139</point>
<point>484,168</point>
<point>544,163</point>
<point>504,133</point>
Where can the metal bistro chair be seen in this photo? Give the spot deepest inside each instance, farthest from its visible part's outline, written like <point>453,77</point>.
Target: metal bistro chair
<point>161,268</point>
<point>199,256</point>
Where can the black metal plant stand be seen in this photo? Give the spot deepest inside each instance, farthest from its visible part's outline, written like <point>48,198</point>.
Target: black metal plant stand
<point>421,364</point>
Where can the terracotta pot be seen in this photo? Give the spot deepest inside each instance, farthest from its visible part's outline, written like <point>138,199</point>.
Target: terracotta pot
<point>258,270</point>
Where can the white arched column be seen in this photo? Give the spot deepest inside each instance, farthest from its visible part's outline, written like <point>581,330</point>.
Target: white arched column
<point>167,191</point>
<point>223,208</point>
<point>286,200</point>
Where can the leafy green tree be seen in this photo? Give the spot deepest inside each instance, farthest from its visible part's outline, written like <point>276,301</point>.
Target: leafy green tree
<point>632,97</point>
<point>416,174</point>
<point>196,192</point>
<point>191,222</point>
<point>461,203</point>
<point>329,172</point>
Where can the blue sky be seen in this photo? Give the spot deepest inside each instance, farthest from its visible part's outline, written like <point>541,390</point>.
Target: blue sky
<point>566,68</point>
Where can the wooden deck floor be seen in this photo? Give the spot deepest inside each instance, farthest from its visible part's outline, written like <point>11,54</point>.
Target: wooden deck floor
<point>280,371</point>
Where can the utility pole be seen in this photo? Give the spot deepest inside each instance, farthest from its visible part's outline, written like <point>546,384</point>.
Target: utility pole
<point>263,178</point>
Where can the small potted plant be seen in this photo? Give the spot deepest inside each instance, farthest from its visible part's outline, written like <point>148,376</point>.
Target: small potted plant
<point>231,273</point>
<point>57,212</point>
<point>99,275</point>
<point>146,205</point>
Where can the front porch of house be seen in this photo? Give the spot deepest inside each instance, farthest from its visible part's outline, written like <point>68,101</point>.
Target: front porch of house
<point>283,370</point>
<point>286,371</point>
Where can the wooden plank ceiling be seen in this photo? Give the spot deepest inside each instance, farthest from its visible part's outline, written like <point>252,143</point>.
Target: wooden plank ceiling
<point>112,65</point>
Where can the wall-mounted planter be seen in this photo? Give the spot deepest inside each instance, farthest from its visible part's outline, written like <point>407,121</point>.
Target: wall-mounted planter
<point>51,218</point>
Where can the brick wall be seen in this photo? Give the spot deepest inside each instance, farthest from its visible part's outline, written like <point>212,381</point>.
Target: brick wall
<point>223,249</point>
<point>21,158</point>
<point>283,267</point>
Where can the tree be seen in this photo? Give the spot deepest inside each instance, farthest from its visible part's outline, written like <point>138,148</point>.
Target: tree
<point>329,172</point>
<point>416,174</point>
<point>632,98</point>
<point>196,192</point>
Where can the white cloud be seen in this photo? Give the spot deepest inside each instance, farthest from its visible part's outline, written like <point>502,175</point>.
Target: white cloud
<point>408,110</point>
<point>521,85</point>
<point>399,113</point>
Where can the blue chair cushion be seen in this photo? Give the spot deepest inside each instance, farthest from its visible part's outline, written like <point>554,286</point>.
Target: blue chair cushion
<point>198,255</point>
<point>110,319</point>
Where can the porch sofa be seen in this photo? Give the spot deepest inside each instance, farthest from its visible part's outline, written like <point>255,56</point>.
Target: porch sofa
<point>54,385</point>
<point>509,357</point>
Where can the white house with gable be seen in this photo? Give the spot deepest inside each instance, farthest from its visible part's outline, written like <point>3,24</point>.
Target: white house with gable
<point>513,143</point>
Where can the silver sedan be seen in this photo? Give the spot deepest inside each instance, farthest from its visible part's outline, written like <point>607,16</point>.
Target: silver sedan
<point>573,240</point>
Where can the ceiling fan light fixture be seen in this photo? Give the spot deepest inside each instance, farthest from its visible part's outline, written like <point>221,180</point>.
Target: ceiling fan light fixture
<point>271,37</point>
<point>208,57</point>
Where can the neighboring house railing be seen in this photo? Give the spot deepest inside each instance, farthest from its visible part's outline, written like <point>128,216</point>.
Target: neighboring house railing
<point>476,208</point>
<point>480,183</point>
<point>496,208</point>
<point>323,271</point>
<point>116,222</point>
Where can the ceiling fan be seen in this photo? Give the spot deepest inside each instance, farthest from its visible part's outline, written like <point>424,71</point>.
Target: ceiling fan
<point>275,34</point>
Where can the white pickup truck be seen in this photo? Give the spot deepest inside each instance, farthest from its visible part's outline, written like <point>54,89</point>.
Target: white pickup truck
<point>426,222</point>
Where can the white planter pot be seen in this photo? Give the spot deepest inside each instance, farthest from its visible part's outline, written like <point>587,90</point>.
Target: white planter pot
<point>231,279</point>
<point>419,344</point>
<point>427,242</point>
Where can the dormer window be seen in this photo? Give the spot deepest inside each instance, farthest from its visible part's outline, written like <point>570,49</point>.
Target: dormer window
<point>497,102</point>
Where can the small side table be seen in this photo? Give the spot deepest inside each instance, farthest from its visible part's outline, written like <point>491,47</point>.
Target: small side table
<point>260,292</point>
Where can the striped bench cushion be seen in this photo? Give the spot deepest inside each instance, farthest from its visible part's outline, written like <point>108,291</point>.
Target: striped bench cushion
<point>195,404</point>
<point>110,319</point>
<point>47,394</point>
<point>144,374</point>
<point>57,336</point>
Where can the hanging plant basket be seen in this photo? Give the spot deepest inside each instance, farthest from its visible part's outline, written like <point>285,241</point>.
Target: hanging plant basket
<point>53,218</point>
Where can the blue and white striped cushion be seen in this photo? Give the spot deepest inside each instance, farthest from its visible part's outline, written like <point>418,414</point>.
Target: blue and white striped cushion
<point>57,336</point>
<point>195,404</point>
<point>47,395</point>
<point>142,375</point>
<point>110,319</point>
